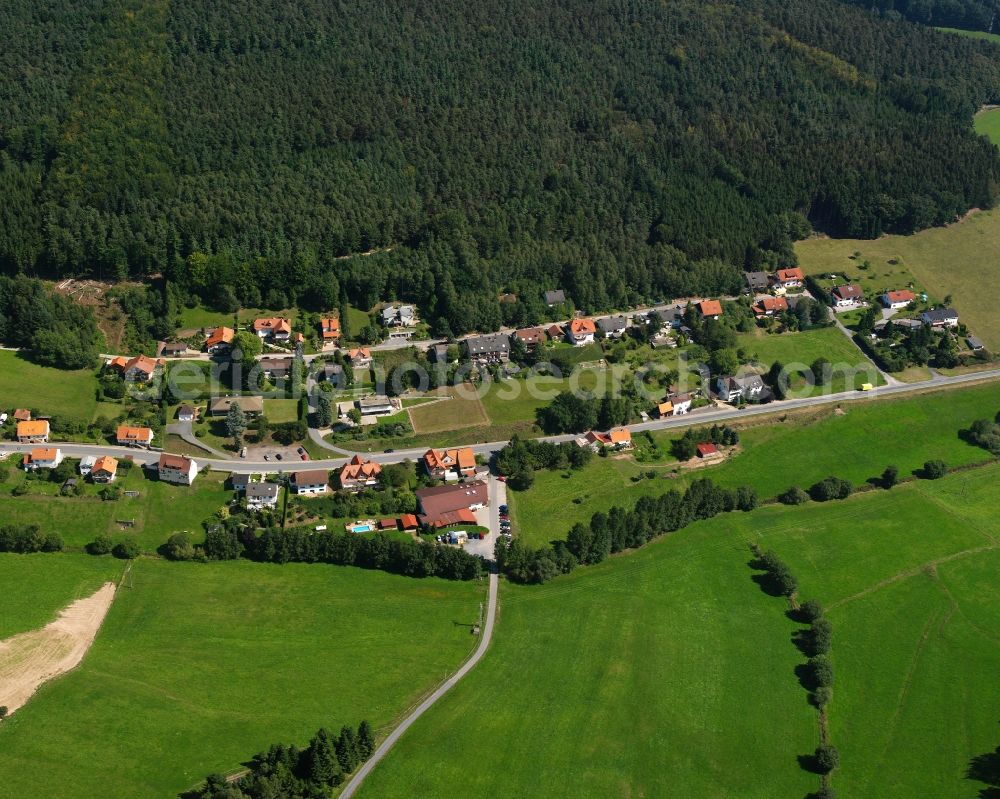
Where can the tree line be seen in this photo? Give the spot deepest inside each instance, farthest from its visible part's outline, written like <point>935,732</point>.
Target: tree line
<point>620,529</point>
<point>333,130</point>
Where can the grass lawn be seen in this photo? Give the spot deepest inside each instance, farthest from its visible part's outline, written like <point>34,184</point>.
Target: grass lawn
<point>200,666</point>
<point>38,586</point>
<point>159,510</point>
<point>957,260</point>
<point>804,348</point>
<point>356,320</point>
<point>990,37</point>
<point>462,409</point>
<point>910,582</point>
<point>50,391</point>
<point>654,674</point>
<point>281,410</point>
<point>109,410</point>
<point>987,123</point>
<point>856,445</point>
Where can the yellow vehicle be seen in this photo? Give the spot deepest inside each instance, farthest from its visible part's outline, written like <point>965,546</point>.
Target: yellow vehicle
<point>867,386</point>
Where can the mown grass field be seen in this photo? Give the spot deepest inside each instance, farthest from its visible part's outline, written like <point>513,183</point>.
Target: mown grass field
<point>462,408</point>
<point>663,673</point>
<point>52,391</point>
<point>200,666</point>
<point>281,410</point>
<point>987,123</point>
<point>36,587</point>
<point>856,445</point>
<point>989,37</point>
<point>159,510</point>
<point>958,260</point>
<point>910,582</point>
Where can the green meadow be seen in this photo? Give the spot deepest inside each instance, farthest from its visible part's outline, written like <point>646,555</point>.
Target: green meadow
<point>56,392</point>
<point>36,587</point>
<point>856,443</point>
<point>200,666</point>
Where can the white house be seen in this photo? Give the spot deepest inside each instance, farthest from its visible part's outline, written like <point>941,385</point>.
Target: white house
<point>312,481</point>
<point>581,331</point>
<point>86,464</point>
<point>846,296</point>
<point>940,317</point>
<point>262,495</point>
<point>734,388</point>
<point>898,299</point>
<point>176,469</point>
<point>612,326</point>
<point>43,458</point>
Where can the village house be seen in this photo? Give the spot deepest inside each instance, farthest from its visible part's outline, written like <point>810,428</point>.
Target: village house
<point>376,405</point>
<point>898,299</point>
<point>580,332</point>
<point>262,495</point>
<point>555,297</point>
<point>617,438</point>
<point>170,349</point>
<point>671,317</point>
<point>940,317</point>
<point>489,348</point>
<point>87,464</point>
<point>706,450</point>
<point>444,505</point>
<point>239,481</point>
<point>530,337</point>
<point>769,306</point>
<point>757,282</point>
<point>329,328</point>
<point>675,405</point>
<point>450,464</point>
<point>251,405</point>
<point>176,469</point>
<point>104,470</point>
<point>42,458</point>
<point>141,368</point>
<point>710,309</point>
<point>743,387</point>
<point>127,436</point>
<point>275,328</point>
<point>22,415</point>
<point>788,278</point>
<point>219,341</point>
<point>360,358</point>
<point>399,316</point>
<point>612,326</point>
<point>33,432</point>
<point>359,474</point>
<point>187,413</point>
<point>276,368</point>
<point>312,481</point>
<point>555,332</point>
<point>846,296</point>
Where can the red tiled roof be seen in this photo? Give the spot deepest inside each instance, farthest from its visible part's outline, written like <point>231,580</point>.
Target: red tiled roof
<point>126,433</point>
<point>770,305</point>
<point>710,308</point>
<point>22,415</point>
<point>309,477</point>
<point>706,449</point>
<point>463,458</point>
<point>900,296</point>
<point>331,327</point>
<point>36,428</point>
<point>850,292</point>
<point>581,327</point>
<point>221,335</point>
<point>788,275</point>
<point>168,461</point>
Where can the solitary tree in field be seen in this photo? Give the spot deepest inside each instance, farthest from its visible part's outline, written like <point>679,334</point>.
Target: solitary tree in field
<point>236,423</point>
<point>890,476</point>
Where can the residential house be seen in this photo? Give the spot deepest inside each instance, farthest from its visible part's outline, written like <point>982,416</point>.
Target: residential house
<point>251,405</point>
<point>940,317</point>
<point>555,297</point>
<point>176,469</point>
<point>670,317</point>
<point>359,474</point>
<point>219,340</point>
<point>399,316</point>
<point>555,332</point>
<point>450,464</point>
<point>436,503</point>
<point>105,469</point>
<point>743,387</point>
<point>331,373</point>
<point>580,332</point>
<point>788,278</point>
<point>612,326</point>
<point>22,415</point>
<point>975,344</point>
<point>312,481</point>
<point>708,451</point>
<point>710,309</point>
<point>675,405</point>
<point>239,482</point>
<point>276,368</point>
<point>360,358</point>
<point>408,522</point>
<point>170,349</point>
<point>42,458</point>
<point>907,324</point>
<point>757,282</point>
<point>33,432</point>
<point>769,306</point>
<point>275,328</point>
<point>490,348</point>
<point>846,296</point>
<point>898,299</point>
<point>128,436</point>
<point>376,405</point>
<point>262,495</point>
<point>141,368</point>
<point>87,464</point>
<point>187,413</point>
<point>329,328</point>
<point>530,337</point>
<point>617,438</point>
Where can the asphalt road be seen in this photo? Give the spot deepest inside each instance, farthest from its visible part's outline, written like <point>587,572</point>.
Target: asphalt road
<point>701,416</point>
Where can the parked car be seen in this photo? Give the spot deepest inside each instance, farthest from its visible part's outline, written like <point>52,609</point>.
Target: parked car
<point>278,456</point>
<point>503,508</point>
<point>267,457</point>
<point>304,456</point>
<point>301,451</point>
<point>243,452</point>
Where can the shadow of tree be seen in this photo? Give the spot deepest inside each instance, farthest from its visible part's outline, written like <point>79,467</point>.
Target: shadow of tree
<point>765,581</point>
<point>986,768</point>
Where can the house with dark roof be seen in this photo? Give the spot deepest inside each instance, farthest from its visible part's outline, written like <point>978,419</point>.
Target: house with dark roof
<point>845,296</point>
<point>733,388</point>
<point>757,282</point>
<point>975,344</point>
<point>311,481</point>
<point>433,503</point>
<point>262,495</point>
<point>489,348</point>
<point>555,297</point>
<point>940,317</point>
<point>251,405</point>
<point>612,326</point>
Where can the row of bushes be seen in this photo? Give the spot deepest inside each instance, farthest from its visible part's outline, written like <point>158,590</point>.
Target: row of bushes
<point>620,529</point>
<point>26,538</point>
<point>686,447</point>
<point>286,770</point>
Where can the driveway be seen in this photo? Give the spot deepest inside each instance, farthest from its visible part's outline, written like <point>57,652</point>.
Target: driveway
<point>489,517</point>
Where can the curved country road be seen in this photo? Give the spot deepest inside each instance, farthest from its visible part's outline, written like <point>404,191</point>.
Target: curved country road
<point>383,749</point>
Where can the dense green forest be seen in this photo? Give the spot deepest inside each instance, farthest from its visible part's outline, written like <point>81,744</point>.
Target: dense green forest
<point>976,15</point>
<point>619,149</point>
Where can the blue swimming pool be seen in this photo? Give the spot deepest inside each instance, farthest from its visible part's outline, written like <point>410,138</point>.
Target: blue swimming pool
<point>362,528</point>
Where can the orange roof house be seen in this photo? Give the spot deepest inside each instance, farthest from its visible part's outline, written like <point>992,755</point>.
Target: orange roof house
<point>450,462</point>
<point>582,326</point>
<point>134,436</point>
<point>359,473</point>
<point>330,327</point>
<point>789,277</point>
<point>22,415</point>
<point>710,309</point>
<point>219,337</point>
<point>272,326</point>
<point>408,521</point>
<point>104,469</point>
<point>618,438</point>
<point>118,362</point>
<point>33,432</point>
<point>768,306</point>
